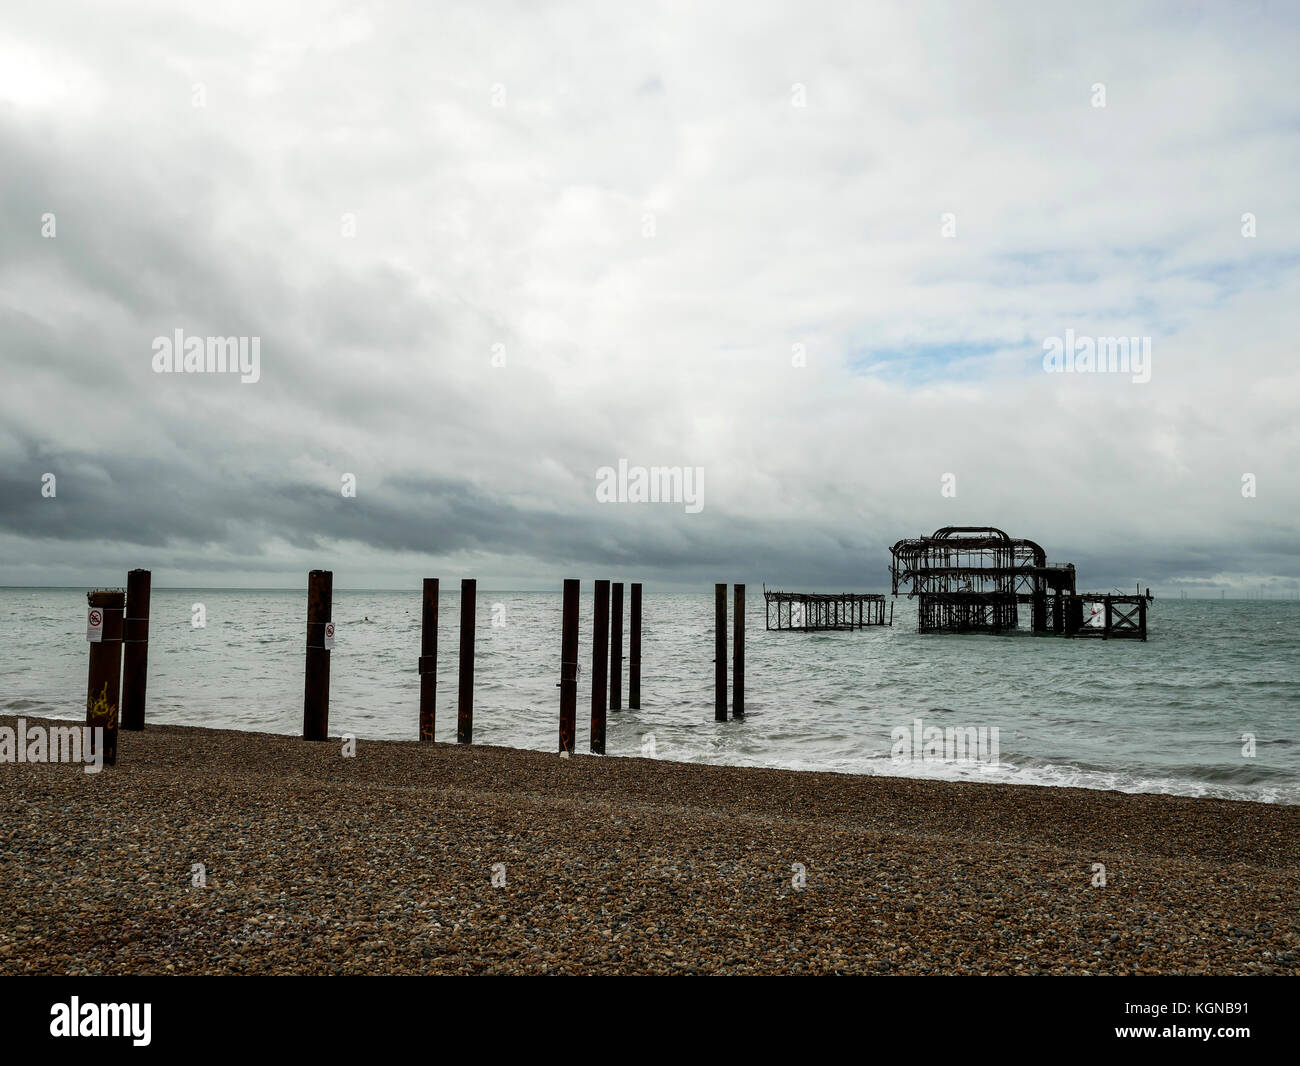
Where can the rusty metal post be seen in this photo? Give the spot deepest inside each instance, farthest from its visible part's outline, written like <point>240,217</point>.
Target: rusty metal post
<point>104,683</point>
<point>720,653</point>
<point>429,660</point>
<point>738,654</point>
<point>465,704</point>
<point>1073,615</point>
<point>634,651</point>
<point>569,666</point>
<point>316,699</point>
<point>1039,609</point>
<point>616,647</point>
<point>135,653</point>
<point>599,664</point>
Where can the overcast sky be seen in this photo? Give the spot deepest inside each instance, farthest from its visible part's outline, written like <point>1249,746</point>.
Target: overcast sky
<point>658,211</point>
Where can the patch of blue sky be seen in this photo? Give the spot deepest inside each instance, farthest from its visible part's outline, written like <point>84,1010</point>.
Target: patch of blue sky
<point>1233,276</point>
<point>921,364</point>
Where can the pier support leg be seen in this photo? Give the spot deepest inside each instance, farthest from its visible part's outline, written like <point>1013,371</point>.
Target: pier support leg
<point>465,700</point>
<point>316,698</point>
<point>1040,605</point>
<point>634,651</point>
<point>599,661</point>
<point>429,659</point>
<point>104,681</point>
<point>738,654</point>
<point>720,653</point>
<point>135,654</point>
<point>569,666</point>
<point>616,647</point>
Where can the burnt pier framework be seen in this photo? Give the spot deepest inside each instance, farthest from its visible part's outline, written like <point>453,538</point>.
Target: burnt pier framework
<point>974,579</point>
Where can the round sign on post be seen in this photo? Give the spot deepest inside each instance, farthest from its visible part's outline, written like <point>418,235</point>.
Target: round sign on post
<point>329,636</point>
<point>95,625</point>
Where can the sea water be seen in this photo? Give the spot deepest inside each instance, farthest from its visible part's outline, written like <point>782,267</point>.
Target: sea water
<point>1208,706</point>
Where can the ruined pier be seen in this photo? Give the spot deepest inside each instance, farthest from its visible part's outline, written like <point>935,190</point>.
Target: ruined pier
<point>974,579</point>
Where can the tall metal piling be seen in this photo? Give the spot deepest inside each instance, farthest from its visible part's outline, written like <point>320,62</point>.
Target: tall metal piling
<point>316,697</point>
<point>599,664</point>
<point>616,647</point>
<point>105,608</point>
<point>569,666</point>
<point>465,702</point>
<point>738,653</point>
<point>428,665</point>
<point>135,649</point>
<point>634,651</point>
<point>720,653</point>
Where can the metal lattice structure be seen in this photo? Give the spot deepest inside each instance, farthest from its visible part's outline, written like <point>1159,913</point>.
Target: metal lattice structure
<point>974,579</point>
<point>1107,615</point>
<point>808,611</point>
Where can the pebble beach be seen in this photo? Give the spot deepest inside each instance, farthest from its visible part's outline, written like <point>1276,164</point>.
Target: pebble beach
<point>222,852</point>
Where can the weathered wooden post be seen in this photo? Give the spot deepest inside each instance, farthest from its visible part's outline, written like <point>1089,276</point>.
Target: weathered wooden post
<point>599,662</point>
<point>569,666</point>
<point>616,648</point>
<point>634,651</point>
<point>1105,633</point>
<point>465,704</point>
<point>135,654</point>
<point>1142,617</point>
<point>320,638</point>
<point>720,653</point>
<point>738,654</point>
<point>104,684</point>
<point>429,660</point>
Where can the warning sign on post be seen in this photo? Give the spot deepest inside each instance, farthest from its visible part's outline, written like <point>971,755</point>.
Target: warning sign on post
<point>329,636</point>
<point>95,625</point>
